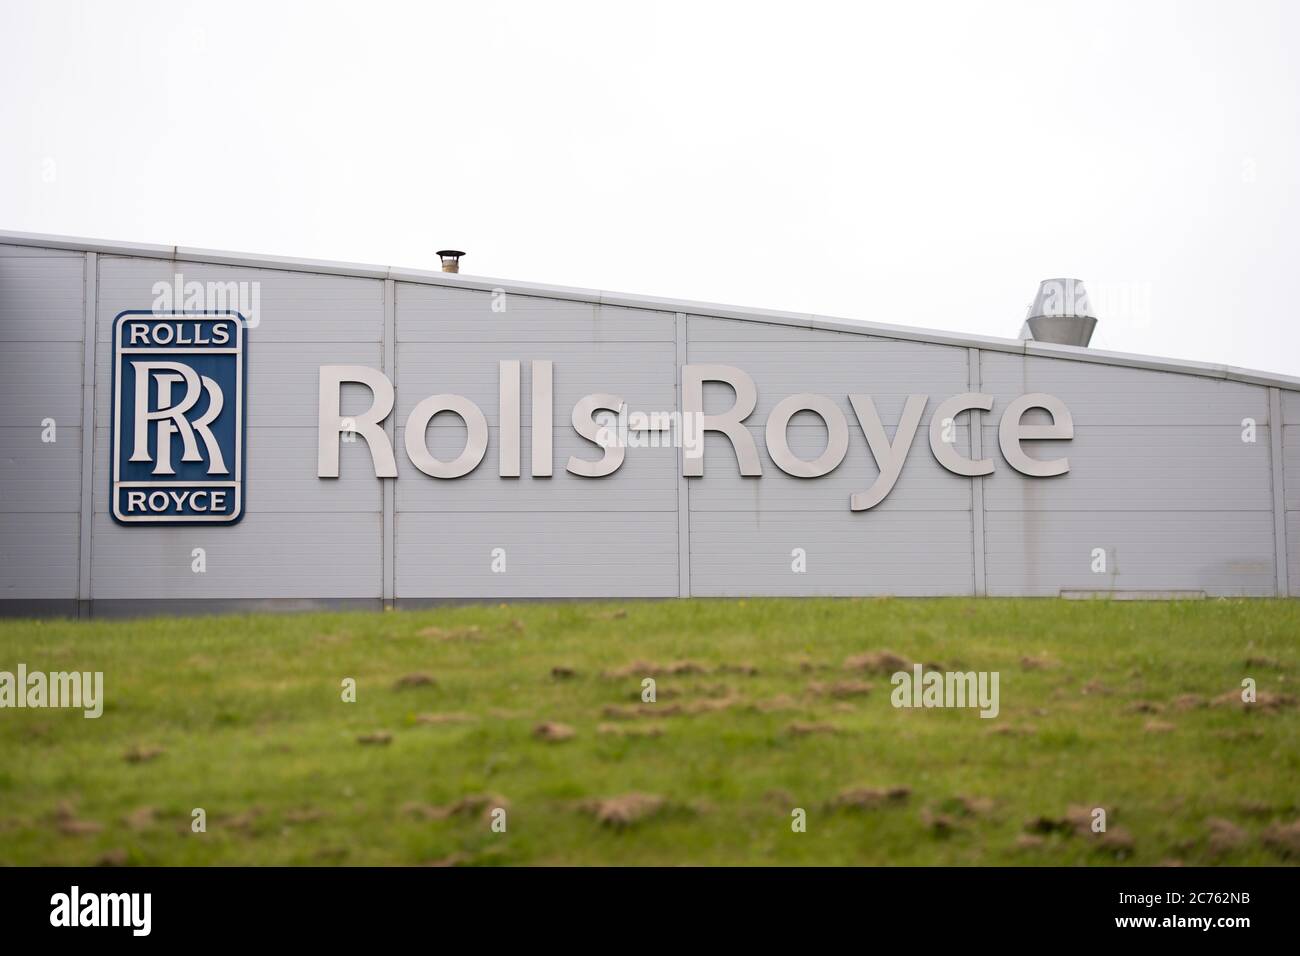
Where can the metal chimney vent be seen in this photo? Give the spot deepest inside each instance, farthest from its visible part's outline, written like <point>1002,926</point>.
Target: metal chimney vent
<point>450,259</point>
<point>1060,314</point>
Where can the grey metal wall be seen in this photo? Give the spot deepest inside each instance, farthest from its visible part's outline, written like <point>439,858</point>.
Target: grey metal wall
<point>563,536</point>
<point>1290,402</point>
<point>743,530</point>
<point>42,326</point>
<point>1160,478</point>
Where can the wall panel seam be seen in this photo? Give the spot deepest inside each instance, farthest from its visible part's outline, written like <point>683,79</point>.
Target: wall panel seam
<point>90,304</point>
<point>1279,490</point>
<point>388,530</point>
<point>683,489</point>
<point>977,483</point>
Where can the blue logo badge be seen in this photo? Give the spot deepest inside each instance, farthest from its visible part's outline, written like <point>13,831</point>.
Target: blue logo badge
<point>177,445</point>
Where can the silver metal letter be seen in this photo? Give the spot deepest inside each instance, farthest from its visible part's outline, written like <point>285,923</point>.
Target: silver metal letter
<point>729,423</point>
<point>1011,433</point>
<point>509,405</point>
<point>837,435</point>
<point>584,423</point>
<point>944,452</point>
<point>366,424</point>
<point>542,412</point>
<point>889,458</point>
<point>476,438</point>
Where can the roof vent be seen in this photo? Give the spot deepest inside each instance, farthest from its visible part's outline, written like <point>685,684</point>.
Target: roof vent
<point>1060,314</point>
<point>450,259</point>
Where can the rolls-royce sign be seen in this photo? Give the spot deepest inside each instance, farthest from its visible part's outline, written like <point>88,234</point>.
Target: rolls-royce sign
<point>178,411</point>
<point>687,425</point>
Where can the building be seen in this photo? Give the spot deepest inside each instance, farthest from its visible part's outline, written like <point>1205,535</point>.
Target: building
<point>1163,478</point>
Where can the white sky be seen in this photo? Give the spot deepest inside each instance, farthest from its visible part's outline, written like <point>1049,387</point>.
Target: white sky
<point>914,163</point>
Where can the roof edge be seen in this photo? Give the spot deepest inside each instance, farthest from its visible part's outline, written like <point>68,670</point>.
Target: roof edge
<point>629,300</point>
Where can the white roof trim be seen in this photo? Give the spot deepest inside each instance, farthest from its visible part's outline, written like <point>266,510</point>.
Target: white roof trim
<point>802,320</point>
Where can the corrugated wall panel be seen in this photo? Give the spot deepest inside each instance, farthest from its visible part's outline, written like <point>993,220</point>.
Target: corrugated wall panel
<point>38,555</point>
<point>563,536</point>
<point>641,372</point>
<point>307,555</point>
<point>1291,486</point>
<point>42,326</point>
<point>433,314</point>
<point>1046,552</point>
<point>1291,466</point>
<point>1291,408</point>
<point>743,529</point>
<point>302,536</point>
<point>898,552</point>
<point>922,486</point>
<point>647,480</point>
<point>557,555</point>
<point>1113,395</point>
<point>1159,478</point>
<point>1293,551</point>
<point>1137,468</point>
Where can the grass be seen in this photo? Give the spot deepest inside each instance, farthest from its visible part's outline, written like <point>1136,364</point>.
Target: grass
<point>247,712</point>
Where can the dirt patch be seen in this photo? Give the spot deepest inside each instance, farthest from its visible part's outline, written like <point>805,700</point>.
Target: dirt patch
<point>115,857</point>
<point>939,824</point>
<point>877,662</point>
<point>1224,835</point>
<point>553,732</point>
<point>563,672</point>
<point>653,669</point>
<point>969,806</point>
<point>779,702</point>
<point>661,693</point>
<point>1036,663</point>
<point>744,669</point>
<point>1188,702</point>
<point>1283,838</point>
<point>471,633</point>
<point>1030,841</point>
<point>633,730</point>
<point>1077,820</point>
<point>1263,662</point>
<point>1012,730</point>
<point>803,728</point>
<point>304,815</point>
<point>1265,701</point>
<point>243,820</point>
<point>452,718</point>
<point>71,826</point>
<point>634,711</point>
<point>710,706</point>
<point>475,804</point>
<point>1159,727</point>
<point>379,737</point>
<point>840,689</point>
<point>1145,707</point>
<point>141,818</point>
<point>1094,688</point>
<point>1116,840</point>
<point>625,810</point>
<point>414,680</point>
<point>869,798</point>
<point>138,754</point>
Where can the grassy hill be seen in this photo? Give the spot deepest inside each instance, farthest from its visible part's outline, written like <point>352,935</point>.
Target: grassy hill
<point>537,709</point>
